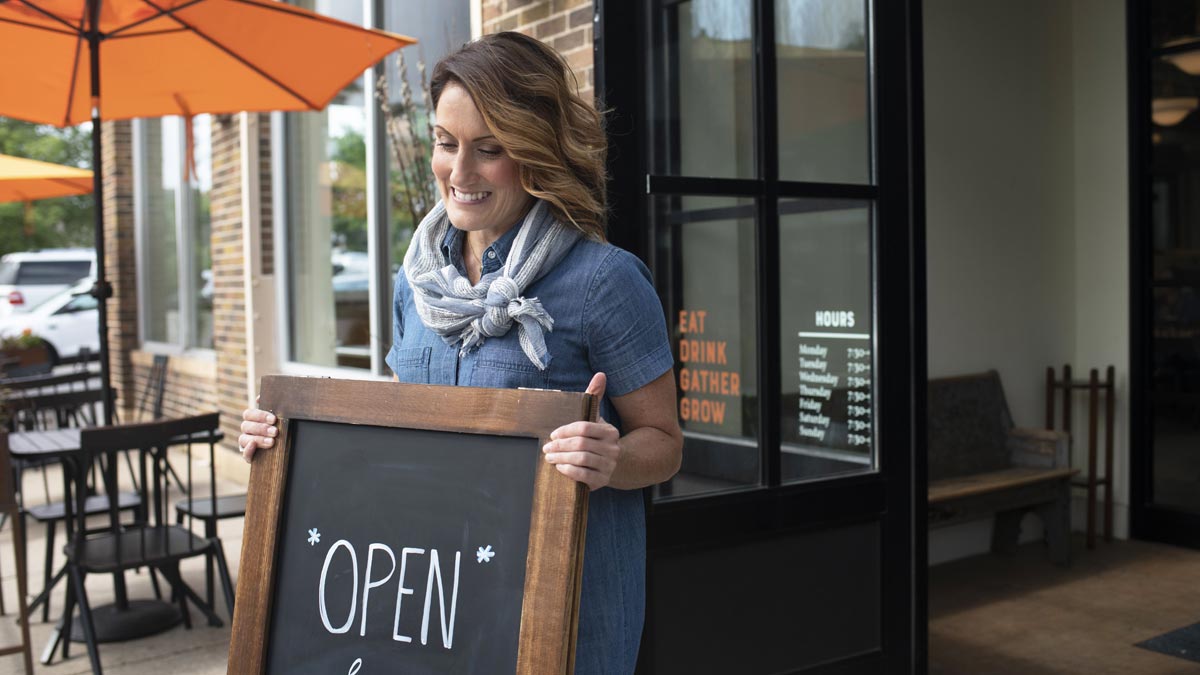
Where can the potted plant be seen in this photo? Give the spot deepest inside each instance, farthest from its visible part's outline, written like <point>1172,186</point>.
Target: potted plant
<point>24,354</point>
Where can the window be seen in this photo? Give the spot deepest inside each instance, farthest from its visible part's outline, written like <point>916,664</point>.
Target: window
<point>346,221</point>
<point>174,227</point>
<point>80,303</point>
<point>762,206</point>
<point>52,273</point>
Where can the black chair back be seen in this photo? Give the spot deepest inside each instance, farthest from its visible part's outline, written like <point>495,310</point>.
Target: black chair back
<point>54,411</point>
<point>151,440</point>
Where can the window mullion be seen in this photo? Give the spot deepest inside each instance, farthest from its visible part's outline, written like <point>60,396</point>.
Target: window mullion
<point>766,154</point>
<point>184,230</point>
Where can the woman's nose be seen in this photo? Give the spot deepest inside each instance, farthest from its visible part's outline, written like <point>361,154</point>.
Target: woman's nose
<point>463,166</point>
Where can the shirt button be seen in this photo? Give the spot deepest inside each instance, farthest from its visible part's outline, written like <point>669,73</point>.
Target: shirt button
<point>491,254</point>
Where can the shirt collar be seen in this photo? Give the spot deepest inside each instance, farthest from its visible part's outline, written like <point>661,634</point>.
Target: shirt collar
<point>493,256</point>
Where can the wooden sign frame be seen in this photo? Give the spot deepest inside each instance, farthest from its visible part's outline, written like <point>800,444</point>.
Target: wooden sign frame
<point>554,566</point>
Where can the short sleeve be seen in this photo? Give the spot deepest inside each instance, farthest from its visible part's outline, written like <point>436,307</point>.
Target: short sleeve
<point>399,284</point>
<point>624,325</point>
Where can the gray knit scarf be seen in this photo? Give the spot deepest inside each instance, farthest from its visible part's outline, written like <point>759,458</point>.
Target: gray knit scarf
<point>451,307</point>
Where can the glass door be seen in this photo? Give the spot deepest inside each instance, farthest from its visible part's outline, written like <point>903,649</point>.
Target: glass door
<point>1165,127</point>
<point>766,165</point>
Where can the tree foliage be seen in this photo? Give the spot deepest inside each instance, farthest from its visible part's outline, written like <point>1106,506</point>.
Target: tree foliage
<point>48,223</point>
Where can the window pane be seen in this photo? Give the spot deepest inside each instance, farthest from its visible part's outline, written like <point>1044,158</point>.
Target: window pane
<point>162,160</point>
<point>201,226</point>
<point>828,358</point>
<point>327,223</point>
<point>709,105</point>
<point>53,273</point>
<point>823,77</point>
<point>444,27</point>
<point>706,248</point>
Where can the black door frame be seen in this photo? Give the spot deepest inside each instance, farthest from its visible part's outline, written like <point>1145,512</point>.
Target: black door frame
<point>895,495</point>
<point>1147,520</point>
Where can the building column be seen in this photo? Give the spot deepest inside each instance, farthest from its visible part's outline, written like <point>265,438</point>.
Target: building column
<point>120,259</point>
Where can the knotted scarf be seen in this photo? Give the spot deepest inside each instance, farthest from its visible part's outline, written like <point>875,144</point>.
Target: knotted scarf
<point>451,307</point>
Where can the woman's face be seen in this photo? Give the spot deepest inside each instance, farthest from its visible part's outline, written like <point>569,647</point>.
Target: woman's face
<point>480,184</point>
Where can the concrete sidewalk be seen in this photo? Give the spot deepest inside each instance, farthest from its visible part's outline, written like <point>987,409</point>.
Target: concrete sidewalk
<point>178,651</point>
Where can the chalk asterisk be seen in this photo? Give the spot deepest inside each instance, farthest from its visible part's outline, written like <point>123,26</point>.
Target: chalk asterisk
<point>314,537</point>
<point>484,554</point>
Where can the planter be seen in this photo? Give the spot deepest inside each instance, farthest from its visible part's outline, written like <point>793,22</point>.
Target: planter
<point>22,361</point>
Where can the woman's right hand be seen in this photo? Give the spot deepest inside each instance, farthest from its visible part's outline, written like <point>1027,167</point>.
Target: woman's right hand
<point>258,431</point>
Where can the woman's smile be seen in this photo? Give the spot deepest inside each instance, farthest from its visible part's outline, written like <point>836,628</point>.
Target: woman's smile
<point>469,198</point>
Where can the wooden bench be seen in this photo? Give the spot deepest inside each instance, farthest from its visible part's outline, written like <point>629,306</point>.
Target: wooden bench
<point>980,465</point>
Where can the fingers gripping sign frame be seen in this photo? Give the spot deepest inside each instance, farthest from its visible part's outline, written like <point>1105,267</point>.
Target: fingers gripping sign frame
<point>394,523</point>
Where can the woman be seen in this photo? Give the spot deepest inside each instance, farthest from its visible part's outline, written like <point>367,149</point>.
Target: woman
<point>508,282</point>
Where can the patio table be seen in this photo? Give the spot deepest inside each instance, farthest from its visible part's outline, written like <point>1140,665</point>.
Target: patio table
<point>123,619</point>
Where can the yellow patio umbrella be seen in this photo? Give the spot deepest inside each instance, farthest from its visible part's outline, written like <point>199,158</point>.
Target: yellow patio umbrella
<point>170,57</point>
<point>24,180</point>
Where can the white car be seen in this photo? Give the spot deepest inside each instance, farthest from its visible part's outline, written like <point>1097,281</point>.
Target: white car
<point>66,322</point>
<point>29,278</point>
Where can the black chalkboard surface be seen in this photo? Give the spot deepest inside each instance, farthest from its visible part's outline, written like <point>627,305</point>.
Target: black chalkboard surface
<point>419,519</point>
<point>409,529</point>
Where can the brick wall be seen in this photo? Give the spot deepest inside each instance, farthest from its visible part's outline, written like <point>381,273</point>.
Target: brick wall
<point>229,307</point>
<point>565,25</point>
<point>265,196</point>
<point>120,257</point>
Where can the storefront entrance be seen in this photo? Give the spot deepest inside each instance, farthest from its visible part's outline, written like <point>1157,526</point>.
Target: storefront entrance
<point>1164,68</point>
<point>767,164</point>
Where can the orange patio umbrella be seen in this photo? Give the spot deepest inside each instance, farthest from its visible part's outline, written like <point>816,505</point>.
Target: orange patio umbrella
<point>24,180</point>
<point>63,62</point>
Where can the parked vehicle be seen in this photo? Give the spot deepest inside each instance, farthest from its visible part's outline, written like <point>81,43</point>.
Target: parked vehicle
<point>27,279</point>
<point>66,322</point>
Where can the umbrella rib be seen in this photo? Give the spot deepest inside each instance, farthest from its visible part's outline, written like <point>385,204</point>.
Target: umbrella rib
<point>74,76</point>
<point>161,13</point>
<point>165,31</point>
<point>43,12</point>
<point>241,59</point>
<point>49,29</point>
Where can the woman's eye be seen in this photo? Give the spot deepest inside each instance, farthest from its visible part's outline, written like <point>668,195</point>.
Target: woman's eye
<point>449,147</point>
<point>490,152</point>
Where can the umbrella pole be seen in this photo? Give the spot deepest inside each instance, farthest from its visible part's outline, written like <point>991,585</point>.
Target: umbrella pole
<point>103,290</point>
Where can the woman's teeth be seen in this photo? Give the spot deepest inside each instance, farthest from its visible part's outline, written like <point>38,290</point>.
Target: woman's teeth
<point>471,196</point>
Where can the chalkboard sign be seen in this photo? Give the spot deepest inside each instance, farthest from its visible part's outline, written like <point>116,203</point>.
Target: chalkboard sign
<point>409,528</point>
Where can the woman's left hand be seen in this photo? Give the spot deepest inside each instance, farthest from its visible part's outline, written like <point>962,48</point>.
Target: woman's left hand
<point>586,451</point>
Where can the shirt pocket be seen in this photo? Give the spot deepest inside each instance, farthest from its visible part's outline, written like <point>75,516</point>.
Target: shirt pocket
<point>501,368</point>
<point>412,365</point>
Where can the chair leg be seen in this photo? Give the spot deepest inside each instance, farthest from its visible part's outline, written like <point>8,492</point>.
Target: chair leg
<point>65,631</point>
<point>186,591</point>
<point>22,594</point>
<point>49,568</point>
<point>210,533</point>
<point>19,523</point>
<point>154,583</point>
<point>171,574</point>
<point>85,617</point>
<point>223,570</point>
<point>2,611</point>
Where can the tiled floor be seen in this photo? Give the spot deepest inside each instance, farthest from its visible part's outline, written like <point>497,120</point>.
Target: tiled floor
<point>1020,615</point>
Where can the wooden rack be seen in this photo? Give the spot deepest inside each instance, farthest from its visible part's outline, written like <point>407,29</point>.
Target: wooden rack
<point>1089,481</point>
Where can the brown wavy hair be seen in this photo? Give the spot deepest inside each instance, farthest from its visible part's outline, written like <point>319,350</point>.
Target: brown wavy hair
<point>527,95</point>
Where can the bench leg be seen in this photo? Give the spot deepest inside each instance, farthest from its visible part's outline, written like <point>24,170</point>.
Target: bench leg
<point>1056,516</point>
<point>1007,531</point>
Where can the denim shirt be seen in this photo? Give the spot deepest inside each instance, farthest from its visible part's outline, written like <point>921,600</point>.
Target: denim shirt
<point>607,318</point>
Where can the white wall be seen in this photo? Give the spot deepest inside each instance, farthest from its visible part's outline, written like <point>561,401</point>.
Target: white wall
<point>1026,202</point>
<point>1102,220</point>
